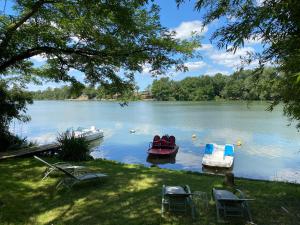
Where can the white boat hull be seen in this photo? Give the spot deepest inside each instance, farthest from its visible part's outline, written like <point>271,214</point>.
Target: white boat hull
<point>217,158</point>
<point>93,137</point>
<point>226,163</point>
<point>89,134</point>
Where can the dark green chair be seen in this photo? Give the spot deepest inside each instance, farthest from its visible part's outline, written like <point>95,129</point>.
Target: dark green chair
<point>229,204</point>
<point>177,199</point>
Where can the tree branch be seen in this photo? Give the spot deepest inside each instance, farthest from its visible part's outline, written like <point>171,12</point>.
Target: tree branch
<point>68,51</point>
<point>13,27</point>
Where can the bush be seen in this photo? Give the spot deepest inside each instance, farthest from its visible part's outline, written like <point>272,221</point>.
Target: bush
<point>73,148</point>
<point>11,142</point>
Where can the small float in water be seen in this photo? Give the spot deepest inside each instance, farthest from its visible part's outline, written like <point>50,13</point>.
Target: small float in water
<point>163,147</point>
<point>218,155</point>
<point>132,131</point>
<point>89,134</point>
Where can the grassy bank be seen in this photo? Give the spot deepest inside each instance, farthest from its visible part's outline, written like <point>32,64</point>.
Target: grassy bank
<point>132,195</point>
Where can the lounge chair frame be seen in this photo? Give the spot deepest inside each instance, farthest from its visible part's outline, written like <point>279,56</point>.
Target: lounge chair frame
<point>53,167</point>
<point>70,179</point>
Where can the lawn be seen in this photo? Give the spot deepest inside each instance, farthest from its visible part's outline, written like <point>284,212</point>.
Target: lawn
<point>131,195</point>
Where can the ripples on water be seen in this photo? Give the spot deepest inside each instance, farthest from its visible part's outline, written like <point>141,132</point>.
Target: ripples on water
<point>270,149</point>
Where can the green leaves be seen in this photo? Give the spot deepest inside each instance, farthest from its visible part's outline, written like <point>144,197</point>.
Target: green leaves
<point>95,37</point>
<point>277,24</point>
<point>241,85</point>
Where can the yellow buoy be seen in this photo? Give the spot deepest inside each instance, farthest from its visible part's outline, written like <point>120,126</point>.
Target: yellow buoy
<point>239,143</point>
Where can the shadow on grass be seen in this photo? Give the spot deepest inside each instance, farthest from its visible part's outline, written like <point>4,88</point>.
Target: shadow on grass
<point>131,195</point>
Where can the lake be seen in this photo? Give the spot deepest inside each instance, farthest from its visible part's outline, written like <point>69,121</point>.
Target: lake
<point>269,150</point>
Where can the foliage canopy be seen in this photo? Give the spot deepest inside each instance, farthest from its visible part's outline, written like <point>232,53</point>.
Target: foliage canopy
<point>241,85</point>
<point>97,38</point>
<point>12,105</point>
<point>276,24</point>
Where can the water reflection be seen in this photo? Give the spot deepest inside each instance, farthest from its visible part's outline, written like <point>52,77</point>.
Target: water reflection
<point>215,170</point>
<point>159,161</point>
<point>268,148</point>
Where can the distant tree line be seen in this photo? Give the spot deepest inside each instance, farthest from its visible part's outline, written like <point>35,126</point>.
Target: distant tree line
<point>242,85</point>
<point>70,92</point>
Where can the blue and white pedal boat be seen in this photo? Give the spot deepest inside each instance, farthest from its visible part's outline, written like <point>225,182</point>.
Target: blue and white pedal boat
<point>218,155</point>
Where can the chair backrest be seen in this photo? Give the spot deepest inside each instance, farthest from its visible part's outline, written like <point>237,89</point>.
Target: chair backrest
<point>172,141</point>
<point>66,172</point>
<point>56,167</point>
<point>164,141</point>
<point>228,150</point>
<point>43,161</point>
<point>209,148</point>
<point>156,141</point>
<point>156,138</point>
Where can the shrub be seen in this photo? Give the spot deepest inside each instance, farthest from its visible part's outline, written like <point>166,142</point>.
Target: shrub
<point>11,142</point>
<point>73,148</point>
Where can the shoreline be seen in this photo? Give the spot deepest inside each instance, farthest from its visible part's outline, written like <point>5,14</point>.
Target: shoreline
<point>52,147</point>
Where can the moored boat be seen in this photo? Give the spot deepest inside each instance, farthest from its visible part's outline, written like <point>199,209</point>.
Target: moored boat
<point>89,134</point>
<point>163,147</point>
<point>218,155</point>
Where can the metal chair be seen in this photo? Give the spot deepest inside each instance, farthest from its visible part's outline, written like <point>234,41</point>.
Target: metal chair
<point>177,199</point>
<point>230,205</point>
<point>52,167</point>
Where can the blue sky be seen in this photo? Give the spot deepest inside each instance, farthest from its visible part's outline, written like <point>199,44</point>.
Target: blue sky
<point>183,20</point>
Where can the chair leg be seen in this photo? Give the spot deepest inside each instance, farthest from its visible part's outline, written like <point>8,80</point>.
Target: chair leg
<point>60,183</point>
<point>193,210</point>
<point>47,172</point>
<point>246,207</point>
<point>162,207</point>
<point>218,213</point>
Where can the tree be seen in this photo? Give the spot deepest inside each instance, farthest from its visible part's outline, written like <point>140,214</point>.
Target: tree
<point>276,23</point>
<point>162,89</point>
<point>98,38</point>
<point>12,105</point>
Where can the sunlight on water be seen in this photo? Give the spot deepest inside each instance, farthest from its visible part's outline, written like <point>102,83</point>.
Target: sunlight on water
<point>270,148</point>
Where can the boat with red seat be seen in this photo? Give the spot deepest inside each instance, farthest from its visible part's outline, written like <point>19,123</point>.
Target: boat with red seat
<point>164,146</point>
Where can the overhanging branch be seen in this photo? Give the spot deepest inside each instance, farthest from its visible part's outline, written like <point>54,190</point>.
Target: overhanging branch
<point>68,51</point>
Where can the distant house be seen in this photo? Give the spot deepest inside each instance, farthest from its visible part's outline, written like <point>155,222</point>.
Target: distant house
<point>83,97</point>
<point>145,95</point>
<point>116,96</point>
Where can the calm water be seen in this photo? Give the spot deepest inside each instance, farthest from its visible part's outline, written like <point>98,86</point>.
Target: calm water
<point>270,149</point>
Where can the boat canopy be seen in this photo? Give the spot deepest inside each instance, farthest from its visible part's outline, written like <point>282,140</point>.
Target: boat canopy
<point>228,150</point>
<point>209,149</point>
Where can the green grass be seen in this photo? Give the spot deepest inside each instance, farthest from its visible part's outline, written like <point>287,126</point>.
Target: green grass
<point>132,195</point>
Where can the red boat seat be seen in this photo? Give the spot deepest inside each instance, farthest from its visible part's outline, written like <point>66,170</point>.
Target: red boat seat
<point>156,142</point>
<point>172,141</point>
<point>164,142</point>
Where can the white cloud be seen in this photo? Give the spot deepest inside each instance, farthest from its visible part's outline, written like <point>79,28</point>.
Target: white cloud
<point>212,72</point>
<point>254,40</point>
<point>186,29</point>
<point>39,58</point>
<point>231,59</point>
<point>205,47</point>
<point>146,68</point>
<point>192,66</point>
<point>75,39</point>
<point>260,2</point>
<point>53,24</point>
